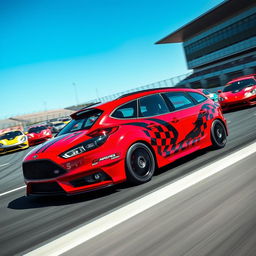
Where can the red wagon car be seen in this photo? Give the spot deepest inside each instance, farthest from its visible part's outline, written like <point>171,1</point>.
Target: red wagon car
<point>125,139</point>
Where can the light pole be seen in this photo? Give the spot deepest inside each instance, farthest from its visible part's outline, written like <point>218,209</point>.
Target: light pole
<point>76,96</point>
<point>97,94</point>
<point>45,109</point>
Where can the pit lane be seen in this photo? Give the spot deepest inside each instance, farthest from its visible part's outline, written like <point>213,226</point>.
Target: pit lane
<point>27,223</point>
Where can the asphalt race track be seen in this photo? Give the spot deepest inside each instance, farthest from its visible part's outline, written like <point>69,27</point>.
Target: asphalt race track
<point>214,217</point>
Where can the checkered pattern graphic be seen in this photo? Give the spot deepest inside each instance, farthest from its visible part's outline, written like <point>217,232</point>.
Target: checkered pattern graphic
<point>164,136</point>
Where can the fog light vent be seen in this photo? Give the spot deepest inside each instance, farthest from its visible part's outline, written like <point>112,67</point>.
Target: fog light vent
<point>90,179</point>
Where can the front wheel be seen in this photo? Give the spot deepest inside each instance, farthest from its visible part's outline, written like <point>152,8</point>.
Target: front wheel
<point>140,164</point>
<point>218,134</point>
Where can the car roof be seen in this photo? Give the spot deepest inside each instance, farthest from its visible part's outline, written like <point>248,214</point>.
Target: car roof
<point>110,105</point>
<point>242,78</point>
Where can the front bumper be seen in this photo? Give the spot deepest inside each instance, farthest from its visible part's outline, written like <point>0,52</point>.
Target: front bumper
<point>37,141</point>
<point>229,105</point>
<point>56,179</point>
<point>11,148</point>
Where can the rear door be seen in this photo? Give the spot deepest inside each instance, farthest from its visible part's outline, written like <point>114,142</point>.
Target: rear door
<point>184,118</point>
<point>170,118</point>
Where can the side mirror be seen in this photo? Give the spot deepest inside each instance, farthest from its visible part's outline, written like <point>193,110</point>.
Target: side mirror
<point>219,91</point>
<point>26,133</point>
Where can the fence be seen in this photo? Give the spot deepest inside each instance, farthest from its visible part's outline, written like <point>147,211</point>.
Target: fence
<point>30,119</point>
<point>36,118</point>
<point>174,81</point>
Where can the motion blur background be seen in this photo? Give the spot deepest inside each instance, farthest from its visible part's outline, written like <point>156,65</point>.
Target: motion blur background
<point>58,56</point>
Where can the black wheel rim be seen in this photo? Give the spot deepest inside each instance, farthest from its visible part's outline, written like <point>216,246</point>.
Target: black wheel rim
<point>141,162</point>
<point>219,134</point>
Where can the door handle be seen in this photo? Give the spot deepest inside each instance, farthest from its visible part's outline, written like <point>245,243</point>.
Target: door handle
<point>175,120</point>
<point>151,125</point>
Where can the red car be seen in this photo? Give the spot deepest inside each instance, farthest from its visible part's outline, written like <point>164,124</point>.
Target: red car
<point>125,139</point>
<point>238,93</point>
<point>38,134</point>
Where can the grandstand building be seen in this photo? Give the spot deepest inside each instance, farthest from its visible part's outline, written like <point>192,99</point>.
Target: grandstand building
<point>220,44</point>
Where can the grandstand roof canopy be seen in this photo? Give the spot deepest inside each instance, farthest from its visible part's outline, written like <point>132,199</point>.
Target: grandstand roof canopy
<point>216,15</point>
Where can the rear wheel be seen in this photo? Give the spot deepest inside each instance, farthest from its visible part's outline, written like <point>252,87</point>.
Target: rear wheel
<point>140,164</point>
<point>218,134</point>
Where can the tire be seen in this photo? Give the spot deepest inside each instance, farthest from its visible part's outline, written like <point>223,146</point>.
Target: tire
<point>140,164</point>
<point>218,134</point>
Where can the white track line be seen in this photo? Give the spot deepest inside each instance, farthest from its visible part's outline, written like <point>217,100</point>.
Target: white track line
<point>10,191</point>
<point>110,220</point>
<point>4,164</point>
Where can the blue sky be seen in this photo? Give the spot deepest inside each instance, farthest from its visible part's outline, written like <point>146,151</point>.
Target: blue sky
<point>103,46</point>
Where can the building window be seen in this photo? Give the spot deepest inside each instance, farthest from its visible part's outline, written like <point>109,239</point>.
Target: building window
<point>227,36</point>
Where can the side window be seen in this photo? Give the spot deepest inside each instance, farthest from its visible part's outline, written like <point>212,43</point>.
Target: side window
<point>152,105</point>
<point>179,100</point>
<point>198,97</point>
<point>128,110</point>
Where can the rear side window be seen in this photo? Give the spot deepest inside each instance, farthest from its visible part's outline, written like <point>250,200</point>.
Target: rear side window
<point>198,97</point>
<point>128,110</point>
<point>179,100</point>
<point>152,105</point>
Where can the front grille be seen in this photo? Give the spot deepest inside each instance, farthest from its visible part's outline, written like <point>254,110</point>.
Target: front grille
<point>237,104</point>
<point>38,141</point>
<point>46,187</point>
<point>90,179</point>
<point>41,169</point>
<point>253,100</point>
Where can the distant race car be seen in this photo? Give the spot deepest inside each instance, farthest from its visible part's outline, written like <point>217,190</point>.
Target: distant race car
<point>57,126</point>
<point>211,95</point>
<point>12,141</point>
<point>38,134</point>
<point>238,93</point>
<point>65,120</point>
<point>124,139</point>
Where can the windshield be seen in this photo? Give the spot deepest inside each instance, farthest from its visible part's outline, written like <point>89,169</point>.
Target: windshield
<point>37,129</point>
<point>59,124</point>
<point>239,85</point>
<point>83,122</point>
<point>10,135</point>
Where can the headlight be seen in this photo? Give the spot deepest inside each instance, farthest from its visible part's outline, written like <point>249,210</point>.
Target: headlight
<point>85,146</point>
<point>23,139</point>
<point>221,99</point>
<point>99,137</point>
<point>251,93</point>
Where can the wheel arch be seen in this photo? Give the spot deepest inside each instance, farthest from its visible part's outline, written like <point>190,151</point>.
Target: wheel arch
<point>225,125</point>
<point>150,147</point>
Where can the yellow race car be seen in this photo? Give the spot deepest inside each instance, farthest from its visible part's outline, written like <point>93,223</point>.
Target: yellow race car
<point>12,141</point>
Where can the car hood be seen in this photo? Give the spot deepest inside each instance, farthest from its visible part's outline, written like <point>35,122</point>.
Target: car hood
<point>233,95</point>
<point>60,143</point>
<point>12,141</point>
<point>237,94</point>
<point>37,135</point>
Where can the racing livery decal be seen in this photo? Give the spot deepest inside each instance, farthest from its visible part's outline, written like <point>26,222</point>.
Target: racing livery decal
<point>164,136</point>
